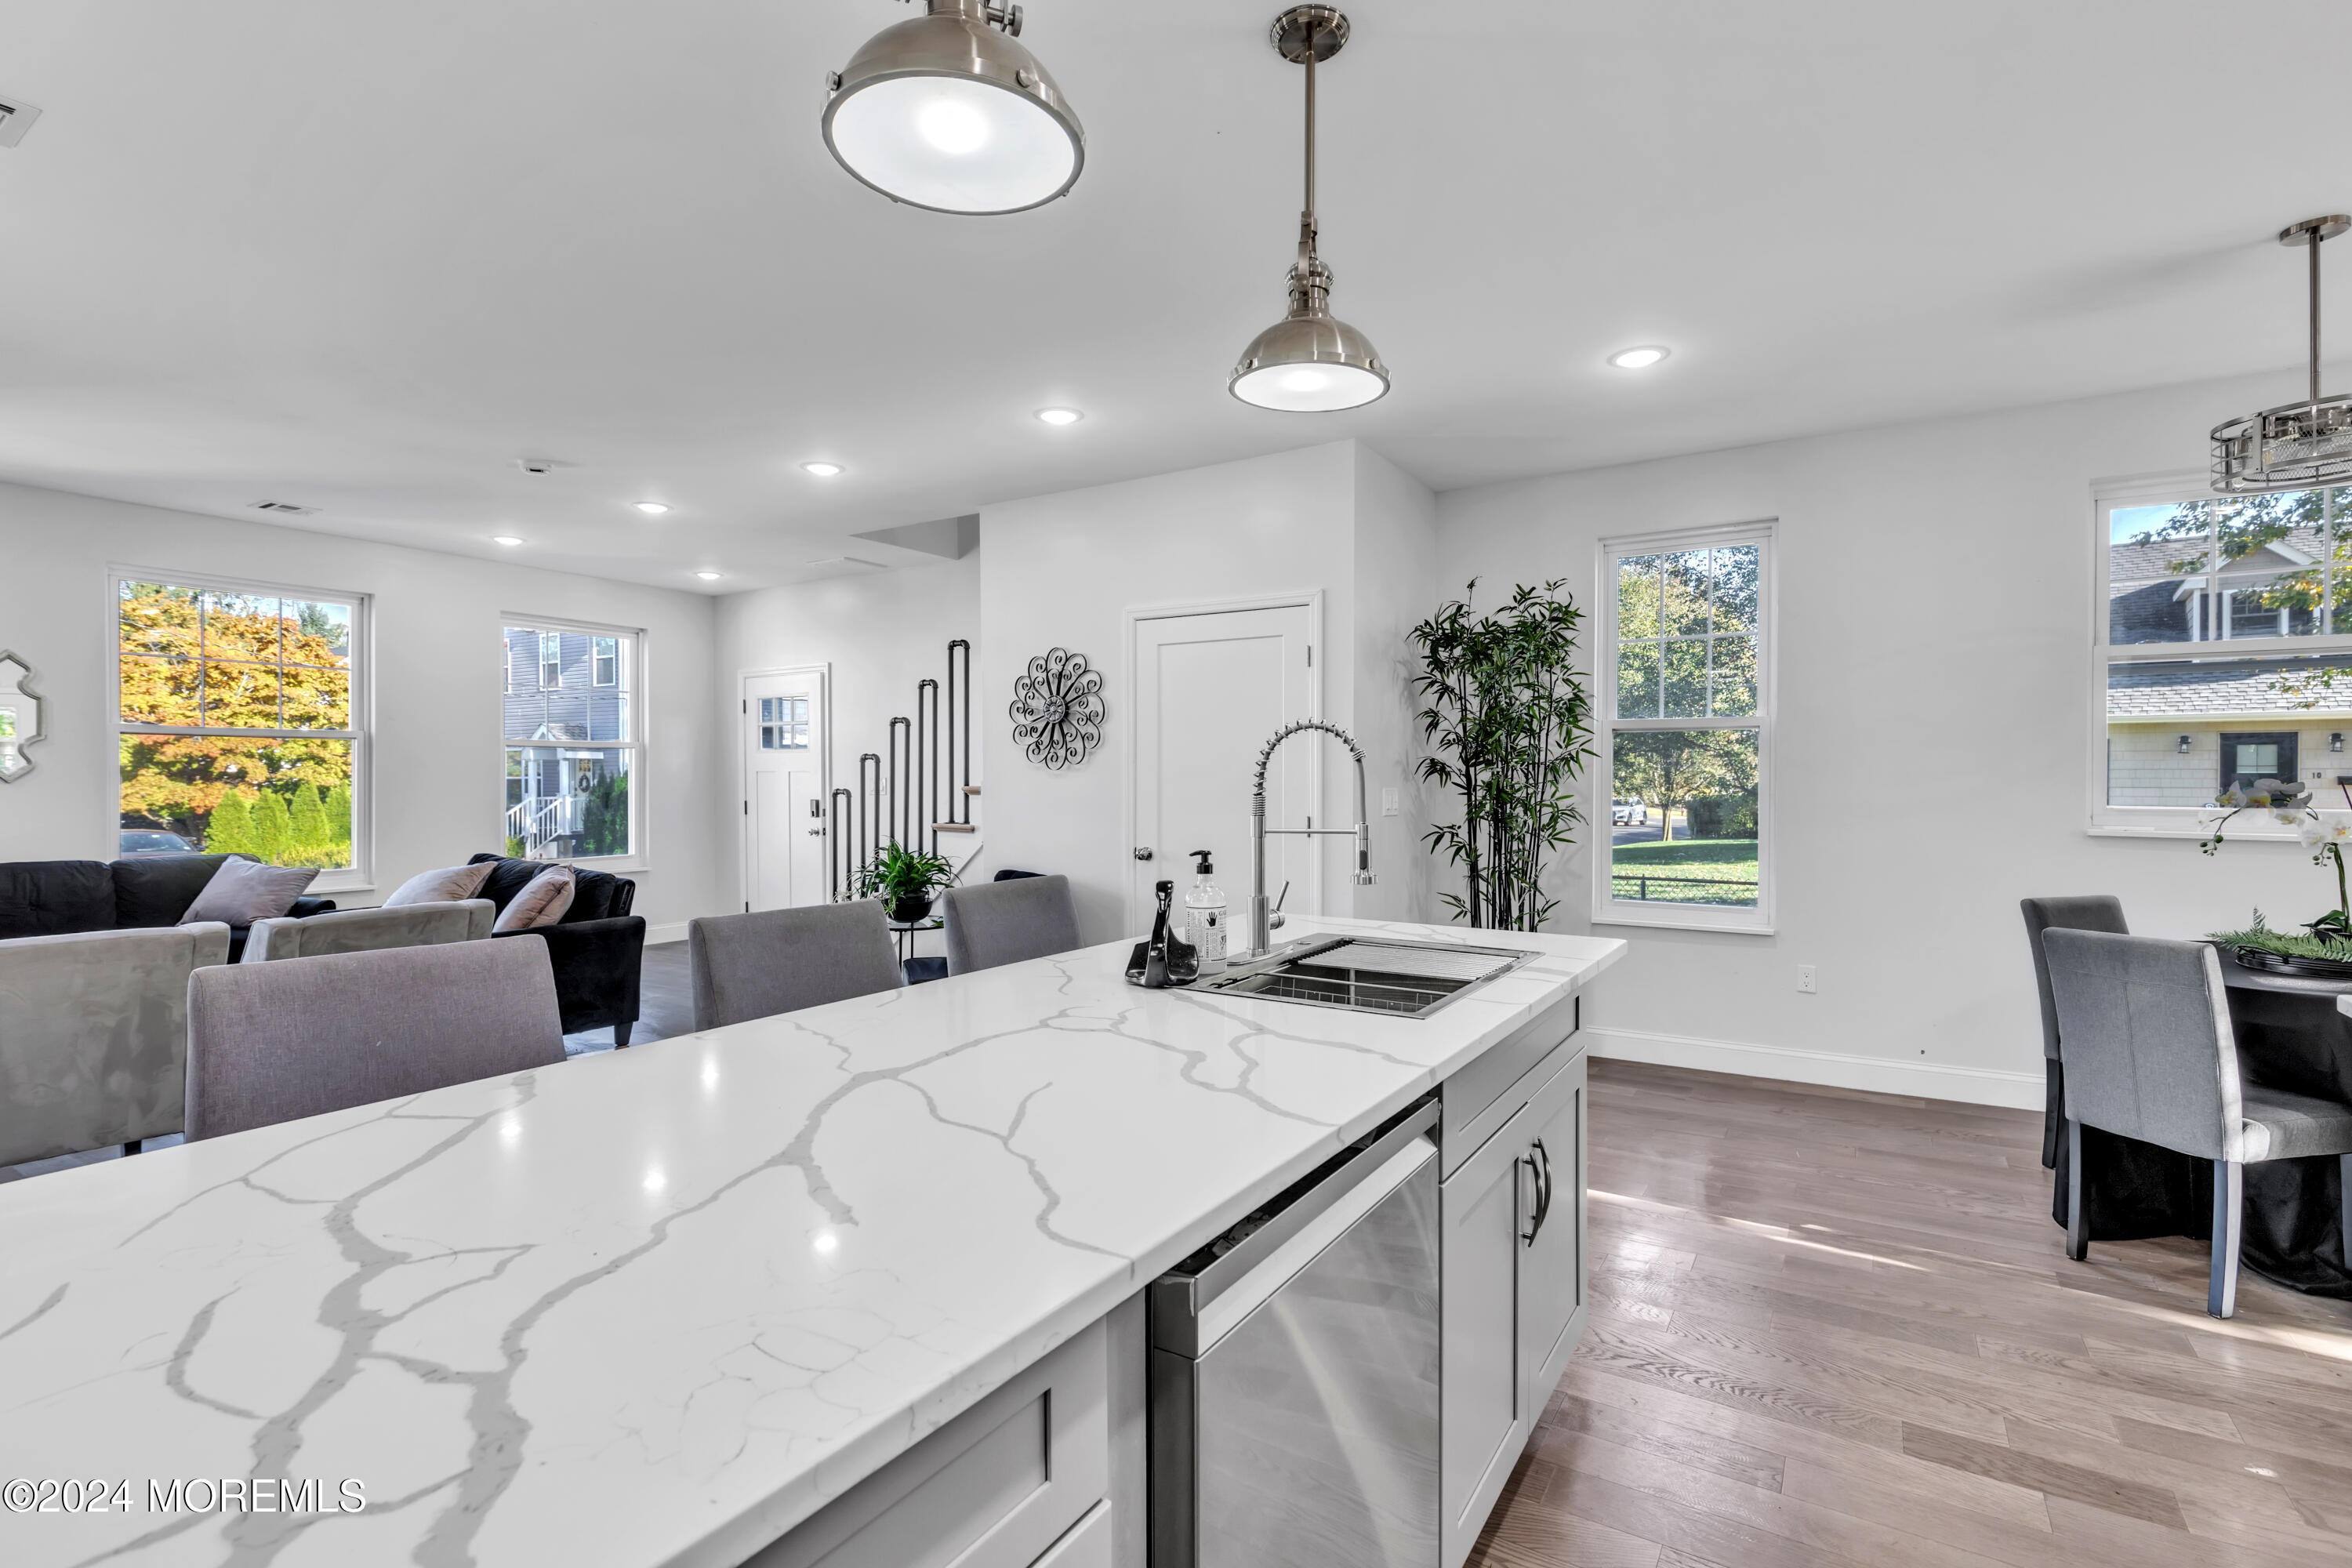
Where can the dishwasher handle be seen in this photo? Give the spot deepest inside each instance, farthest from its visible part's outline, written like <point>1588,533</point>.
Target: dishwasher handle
<point>1191,1312</point>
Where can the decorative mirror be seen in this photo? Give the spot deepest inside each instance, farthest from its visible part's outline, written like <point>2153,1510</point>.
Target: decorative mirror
<point>1057,709</point>
<point>20,717</point>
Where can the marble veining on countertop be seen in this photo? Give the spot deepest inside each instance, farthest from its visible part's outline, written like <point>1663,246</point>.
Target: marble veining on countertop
<point>658,1306</point>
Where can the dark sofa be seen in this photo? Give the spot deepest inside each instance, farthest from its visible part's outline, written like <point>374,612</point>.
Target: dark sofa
<point>598,949</point>
<point>59,898</point>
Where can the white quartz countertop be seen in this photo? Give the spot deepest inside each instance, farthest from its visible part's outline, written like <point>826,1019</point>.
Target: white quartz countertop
<point>658,1306</point>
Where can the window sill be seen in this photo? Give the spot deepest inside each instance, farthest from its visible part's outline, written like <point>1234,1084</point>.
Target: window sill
<point>349,882</point>
<point>2235,835</point>
<point>1652,922</point>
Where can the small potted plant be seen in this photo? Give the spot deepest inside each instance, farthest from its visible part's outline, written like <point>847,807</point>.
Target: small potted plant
<point>905,879</point>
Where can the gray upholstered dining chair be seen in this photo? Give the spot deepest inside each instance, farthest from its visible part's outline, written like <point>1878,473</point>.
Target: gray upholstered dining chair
<point>1007,922</point>
<point>93,1035</point>
<point>2096,912</point>
<point>2150,1055</point>
<point>272,1042</point>
<point>370,931</point>
<point>779,961</point>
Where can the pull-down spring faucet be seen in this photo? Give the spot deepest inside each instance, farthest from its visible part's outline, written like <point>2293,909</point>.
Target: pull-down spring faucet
<point>1262,920</point>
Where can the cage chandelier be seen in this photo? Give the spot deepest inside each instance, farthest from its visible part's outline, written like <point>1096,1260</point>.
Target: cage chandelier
<point>2296,446</point>
<point>1311,360</point>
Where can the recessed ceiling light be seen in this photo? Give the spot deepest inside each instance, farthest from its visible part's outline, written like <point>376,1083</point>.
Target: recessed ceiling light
<point>707,577</point>
<point>1060,415</point>
<point>505,539</point>
<point>652,508</point>
<point>822,470</point>
<point>1642,358</point>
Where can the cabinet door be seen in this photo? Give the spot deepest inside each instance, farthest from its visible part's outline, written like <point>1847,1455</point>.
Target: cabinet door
<point>1551,1264</point>
<point>1485,1422</point>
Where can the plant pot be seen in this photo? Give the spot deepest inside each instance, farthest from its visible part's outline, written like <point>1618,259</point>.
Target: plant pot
<point>911,910</point>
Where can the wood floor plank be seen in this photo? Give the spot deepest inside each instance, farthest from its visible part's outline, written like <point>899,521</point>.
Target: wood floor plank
<point>1833,1329</point>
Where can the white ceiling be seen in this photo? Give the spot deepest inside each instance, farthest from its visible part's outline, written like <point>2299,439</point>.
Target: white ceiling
<point>364,257</point>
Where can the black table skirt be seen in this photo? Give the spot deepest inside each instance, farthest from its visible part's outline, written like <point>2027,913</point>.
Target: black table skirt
<point>2289,1038</point>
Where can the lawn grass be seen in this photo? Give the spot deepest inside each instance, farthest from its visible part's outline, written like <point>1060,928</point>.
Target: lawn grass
<point>1689,870</point>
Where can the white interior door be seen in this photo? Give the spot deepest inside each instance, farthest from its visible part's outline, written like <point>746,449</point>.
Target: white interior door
<point>784,776</point>
<point>1210,690</point>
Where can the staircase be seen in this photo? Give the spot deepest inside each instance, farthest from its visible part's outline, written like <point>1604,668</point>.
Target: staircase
<point>917,791</point>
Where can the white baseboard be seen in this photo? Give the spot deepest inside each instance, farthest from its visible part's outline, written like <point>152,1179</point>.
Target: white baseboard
<point>657,935</point>
<point>1927,1080</point>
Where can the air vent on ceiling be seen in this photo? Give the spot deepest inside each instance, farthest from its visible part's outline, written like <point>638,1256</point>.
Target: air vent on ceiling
<point>285,508</point>
<point>16,117</point>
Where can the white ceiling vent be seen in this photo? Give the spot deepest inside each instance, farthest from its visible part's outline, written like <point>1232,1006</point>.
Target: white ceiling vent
<point>285,508</point>
<point>16,117</point>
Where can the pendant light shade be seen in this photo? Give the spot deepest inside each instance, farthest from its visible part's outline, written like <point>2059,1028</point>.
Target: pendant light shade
<point>1310,362</point>
<point>2296,446</point>
<point>949,112</point>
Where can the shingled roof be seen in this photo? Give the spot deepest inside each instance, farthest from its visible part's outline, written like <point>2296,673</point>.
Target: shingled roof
<point>2217,688</point>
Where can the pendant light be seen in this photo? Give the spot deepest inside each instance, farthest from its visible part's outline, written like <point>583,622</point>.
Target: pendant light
<point>2295,446</point>
<point>1311,360</point>
<point>946,111</point>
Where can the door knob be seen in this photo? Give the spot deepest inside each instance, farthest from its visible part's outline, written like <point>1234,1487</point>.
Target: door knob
<point>1144,852</point>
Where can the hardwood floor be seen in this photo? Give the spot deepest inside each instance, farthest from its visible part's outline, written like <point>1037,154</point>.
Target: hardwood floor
<point>1839,1329</point>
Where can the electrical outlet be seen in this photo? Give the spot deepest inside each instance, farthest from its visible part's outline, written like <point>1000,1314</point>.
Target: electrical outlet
<point>1388,803</point>
<point>1805,979</point>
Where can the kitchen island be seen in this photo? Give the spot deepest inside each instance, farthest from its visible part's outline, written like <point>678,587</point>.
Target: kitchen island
<point>662,1306</point>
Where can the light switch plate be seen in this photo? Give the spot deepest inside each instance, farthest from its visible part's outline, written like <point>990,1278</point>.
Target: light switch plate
<point>1388,803</point>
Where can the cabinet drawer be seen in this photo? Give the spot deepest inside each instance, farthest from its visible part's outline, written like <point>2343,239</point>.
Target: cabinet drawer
<point>1489,1091</point>
<point>1001,1486</point>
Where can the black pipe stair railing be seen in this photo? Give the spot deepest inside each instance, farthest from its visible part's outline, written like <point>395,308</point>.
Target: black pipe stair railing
<point>917,788</point>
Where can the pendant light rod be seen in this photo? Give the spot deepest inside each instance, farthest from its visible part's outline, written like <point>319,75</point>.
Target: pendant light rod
<point>1311,120</point>
<point>2315,238</point>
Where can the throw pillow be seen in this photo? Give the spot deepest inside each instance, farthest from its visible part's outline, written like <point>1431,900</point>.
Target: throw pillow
<point>450,884</point>
<point>543,903</point>
<point>243,891</point>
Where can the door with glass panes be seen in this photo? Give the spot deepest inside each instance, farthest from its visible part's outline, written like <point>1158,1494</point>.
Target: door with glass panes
<point>784,777</point>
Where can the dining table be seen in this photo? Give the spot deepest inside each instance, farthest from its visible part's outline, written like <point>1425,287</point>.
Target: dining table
<point>2292,1034</point>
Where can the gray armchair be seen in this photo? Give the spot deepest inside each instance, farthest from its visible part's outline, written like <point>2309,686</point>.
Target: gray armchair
<point>1009,922</point>
<point>369,930</point>
<point>2096,912</point>
<point>93,1037</point>
<point>273,1042</point>
<point>2150,1055</point>
<point>780,961</point>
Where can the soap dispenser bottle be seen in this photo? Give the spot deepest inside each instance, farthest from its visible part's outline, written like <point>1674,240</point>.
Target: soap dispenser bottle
<point>1204,915</point>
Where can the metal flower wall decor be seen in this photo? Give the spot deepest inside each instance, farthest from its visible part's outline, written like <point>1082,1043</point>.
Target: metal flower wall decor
<point>1057,709</point>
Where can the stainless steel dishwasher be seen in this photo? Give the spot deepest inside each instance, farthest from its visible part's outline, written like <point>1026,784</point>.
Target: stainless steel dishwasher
<point>1295,1373</point>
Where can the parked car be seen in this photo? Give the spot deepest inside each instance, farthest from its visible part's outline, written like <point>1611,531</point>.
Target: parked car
<point>1629,814</point>
<point>150,841</point>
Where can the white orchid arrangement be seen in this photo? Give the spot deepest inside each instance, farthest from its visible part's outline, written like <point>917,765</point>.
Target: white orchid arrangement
<point>2324,833</point>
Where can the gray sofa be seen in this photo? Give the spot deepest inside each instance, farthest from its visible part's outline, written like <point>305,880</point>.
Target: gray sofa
<point>366,931</point>
<point>93,1035</point>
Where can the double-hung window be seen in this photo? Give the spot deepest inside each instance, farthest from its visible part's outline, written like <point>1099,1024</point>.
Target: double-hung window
<point>572,744</point>
<point>1684,734</point>
<point>2221,653</point>
<point>241,722</point>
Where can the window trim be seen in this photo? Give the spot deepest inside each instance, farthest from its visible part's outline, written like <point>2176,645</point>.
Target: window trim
<point>2101,819</point>
<point>640,744</point>
<point>360,875</point>
<point>1607,909</point>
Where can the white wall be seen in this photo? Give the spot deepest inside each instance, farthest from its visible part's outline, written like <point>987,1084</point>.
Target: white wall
<point>879,635</point>
<point>439,795</point>
<point>1062,570</point>
<point>1397,584</point>
<point>1935,625</point>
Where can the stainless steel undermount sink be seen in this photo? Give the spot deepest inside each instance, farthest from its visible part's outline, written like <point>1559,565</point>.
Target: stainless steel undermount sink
<point>1367,974</point>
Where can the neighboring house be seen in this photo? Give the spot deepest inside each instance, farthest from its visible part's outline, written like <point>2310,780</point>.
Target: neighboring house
<point>2148,602</point>
<point>2178,733</point>
<point>567,701</point>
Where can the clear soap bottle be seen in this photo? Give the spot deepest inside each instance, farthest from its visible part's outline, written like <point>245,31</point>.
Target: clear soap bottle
<point>1204,915</point>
